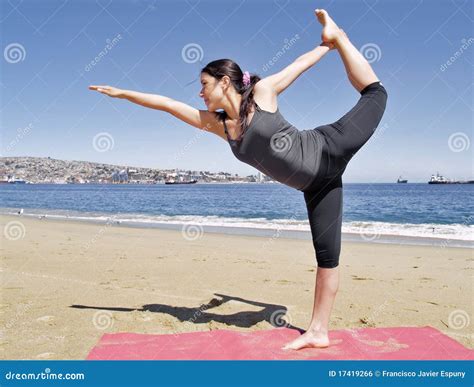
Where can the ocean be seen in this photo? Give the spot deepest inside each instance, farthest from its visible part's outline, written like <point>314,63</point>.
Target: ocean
<point>381,213</point>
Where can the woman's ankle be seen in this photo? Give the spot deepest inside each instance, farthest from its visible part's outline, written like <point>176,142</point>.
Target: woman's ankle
<point>341,40</point>
<point>317,328</point>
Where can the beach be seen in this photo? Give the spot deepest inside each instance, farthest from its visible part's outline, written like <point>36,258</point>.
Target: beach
<point>66,283</point>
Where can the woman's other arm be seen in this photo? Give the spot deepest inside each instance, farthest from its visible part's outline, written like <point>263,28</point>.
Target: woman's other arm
<point>280,81</point>
<point>201,119</point>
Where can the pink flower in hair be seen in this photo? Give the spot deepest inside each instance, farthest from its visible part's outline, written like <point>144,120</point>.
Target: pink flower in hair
<point>246,78</point>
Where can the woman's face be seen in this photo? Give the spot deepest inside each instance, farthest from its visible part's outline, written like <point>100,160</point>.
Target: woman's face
<point>211,91</point>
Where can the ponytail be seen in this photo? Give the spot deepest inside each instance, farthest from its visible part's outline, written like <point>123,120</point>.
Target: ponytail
<point>221,67</point>
<point>247,103</point>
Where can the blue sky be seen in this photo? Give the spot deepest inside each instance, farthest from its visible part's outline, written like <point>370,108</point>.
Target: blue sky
<point>49,48</point>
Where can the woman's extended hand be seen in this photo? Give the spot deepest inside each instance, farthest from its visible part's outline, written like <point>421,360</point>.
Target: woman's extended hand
<point>109,90</point>
<point>329,45</point>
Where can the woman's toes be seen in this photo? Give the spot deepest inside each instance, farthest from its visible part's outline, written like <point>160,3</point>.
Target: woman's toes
<point>299,343</point>
<point>308,340</point>
<point>321,15</point>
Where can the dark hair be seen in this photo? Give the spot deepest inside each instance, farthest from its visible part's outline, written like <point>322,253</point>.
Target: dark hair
<point>221,67</point>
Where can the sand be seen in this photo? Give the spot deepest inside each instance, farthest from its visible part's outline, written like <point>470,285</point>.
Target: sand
<point>65,284</point>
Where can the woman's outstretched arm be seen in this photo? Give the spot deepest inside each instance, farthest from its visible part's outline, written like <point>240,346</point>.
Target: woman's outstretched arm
<point>201,119</point>
<point>152,101</point>
<point>280,81</point>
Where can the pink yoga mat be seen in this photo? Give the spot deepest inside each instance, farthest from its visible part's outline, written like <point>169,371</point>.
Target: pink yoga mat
<point>362,344</point>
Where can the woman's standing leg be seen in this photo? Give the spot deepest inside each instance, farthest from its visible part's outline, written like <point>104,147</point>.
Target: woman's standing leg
<point>325,218</point>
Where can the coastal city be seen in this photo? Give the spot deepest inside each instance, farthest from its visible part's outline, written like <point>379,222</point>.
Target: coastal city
<point>46,170</point>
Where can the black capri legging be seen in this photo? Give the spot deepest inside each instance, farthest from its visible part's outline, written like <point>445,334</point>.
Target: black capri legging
<point>343,139</point>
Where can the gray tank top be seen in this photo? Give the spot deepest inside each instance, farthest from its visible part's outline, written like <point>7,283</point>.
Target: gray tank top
<point>279,150</point>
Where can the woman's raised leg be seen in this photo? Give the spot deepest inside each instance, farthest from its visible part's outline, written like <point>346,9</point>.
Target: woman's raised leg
<point>346,136</point>
<point>359,71</point>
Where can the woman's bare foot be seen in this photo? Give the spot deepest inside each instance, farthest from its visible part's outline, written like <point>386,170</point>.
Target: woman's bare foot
<point>309,339</point>
<point>331,32</point>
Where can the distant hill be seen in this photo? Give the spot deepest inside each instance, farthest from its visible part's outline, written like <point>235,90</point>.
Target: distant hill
<point>48,170</point>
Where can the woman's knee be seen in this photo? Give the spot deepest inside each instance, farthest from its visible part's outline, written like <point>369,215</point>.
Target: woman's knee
<point>377,97</point>
<point>327,279</point>
<point>327,257</point>
<point>374,87</point>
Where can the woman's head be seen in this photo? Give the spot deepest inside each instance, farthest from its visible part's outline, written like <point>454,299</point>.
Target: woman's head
<point>220,79</point>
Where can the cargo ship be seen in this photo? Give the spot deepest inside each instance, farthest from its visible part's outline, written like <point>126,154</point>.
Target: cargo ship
<point>401,180</point>
<point>180,181</point>
<point>440,179</point>
<point>12,180</point>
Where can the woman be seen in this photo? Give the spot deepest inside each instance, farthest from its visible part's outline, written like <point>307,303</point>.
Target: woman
<point>311,161</point>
